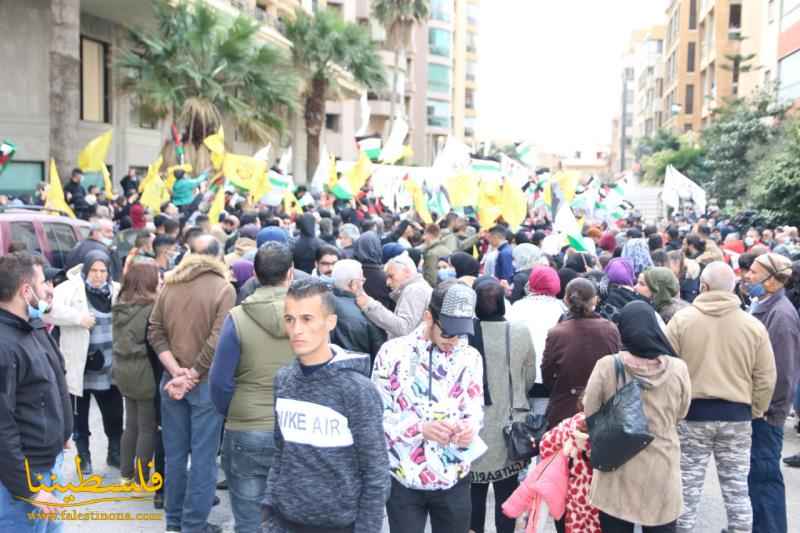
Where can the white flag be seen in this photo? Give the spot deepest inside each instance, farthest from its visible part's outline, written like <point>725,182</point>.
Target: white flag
<point>677,186</point>
<point>263,154</point>
<point>393,149</point>
<point>322,172</point>
<point>286,162</point>
<point>365,114</point>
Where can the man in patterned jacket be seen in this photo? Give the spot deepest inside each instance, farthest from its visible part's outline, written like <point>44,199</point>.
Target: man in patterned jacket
<point>431,384</point>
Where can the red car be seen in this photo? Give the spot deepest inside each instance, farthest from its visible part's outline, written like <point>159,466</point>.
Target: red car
<point>50,235</point>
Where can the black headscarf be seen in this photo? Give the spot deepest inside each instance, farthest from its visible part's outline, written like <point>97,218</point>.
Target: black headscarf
<point>491,307</point>
<point>641,333</point>
<point>99,297</point>
<point>465,265</point>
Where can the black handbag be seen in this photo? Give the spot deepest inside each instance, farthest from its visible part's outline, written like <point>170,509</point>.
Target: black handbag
<point>522,438</point>
<point>95,362</point>
<point>619,430</point>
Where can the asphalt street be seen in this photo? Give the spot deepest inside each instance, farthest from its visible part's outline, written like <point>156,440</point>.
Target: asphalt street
<point>712,512</point>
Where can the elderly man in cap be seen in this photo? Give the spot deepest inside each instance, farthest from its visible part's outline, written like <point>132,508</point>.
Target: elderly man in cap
<point>766,280</point>
<point>431,384</point>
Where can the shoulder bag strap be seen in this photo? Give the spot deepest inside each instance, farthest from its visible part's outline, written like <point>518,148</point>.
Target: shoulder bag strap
<point>508,360</point>
<point>620,371</point>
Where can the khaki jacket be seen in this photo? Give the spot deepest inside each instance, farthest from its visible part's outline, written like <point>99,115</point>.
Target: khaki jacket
<point>190,310</point>
<point>727,351</point>
<point>647,489</point>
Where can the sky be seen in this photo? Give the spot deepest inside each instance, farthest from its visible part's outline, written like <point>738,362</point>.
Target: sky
<point>549,70</point>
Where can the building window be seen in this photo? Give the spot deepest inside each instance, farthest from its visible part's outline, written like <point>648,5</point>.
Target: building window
<point>687,128</point>
<point>690,57</point>
<point>469,99</point>
<point>438,78</point>
<point>688,104</point>
<point>94,81</point>
<point>629,74</point>
<point>438,113</point>
<point>789,77</point>
<point>472,42</point>
<point>440,42</point>
<point>469,126</point>
<point>735,17</point>
<point>472,14</point>
<point>21,177</point>
<point>660,87</point>
<point>441,10</point>
<point>332,122</point>
<point>692,14</point>
<point>472,71</point>
<point>628,121</point>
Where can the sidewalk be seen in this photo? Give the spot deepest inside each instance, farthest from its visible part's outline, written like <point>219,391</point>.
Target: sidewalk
<point>712,515</point>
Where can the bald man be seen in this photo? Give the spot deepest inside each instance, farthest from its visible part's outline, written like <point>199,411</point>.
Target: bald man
<point>354,332</point>
<point>184,328</point>
<point>732,368</point>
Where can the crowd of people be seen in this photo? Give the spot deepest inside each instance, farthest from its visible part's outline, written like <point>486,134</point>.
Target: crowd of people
<point>349,363</point>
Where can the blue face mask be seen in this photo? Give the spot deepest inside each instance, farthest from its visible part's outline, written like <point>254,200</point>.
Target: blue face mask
<point>756,290</point>
<point>37,312</point>
<point>444,275</point>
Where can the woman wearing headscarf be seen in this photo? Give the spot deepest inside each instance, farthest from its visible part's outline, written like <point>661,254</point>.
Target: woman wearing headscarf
<point>242,271</point>
<point>618,288</point>
<point>526,256</point>
<point>467,267</point>
<point>637,251</point>
<point>660,286</point>
<point>572,349</point>
<point>688,273</point>
<point>647,489</point>
<point>368,251</point>
<point>82,310</point>
<point>540,310</point>
<point>505,388</point>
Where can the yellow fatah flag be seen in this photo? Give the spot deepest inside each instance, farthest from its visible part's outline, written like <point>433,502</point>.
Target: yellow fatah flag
<point>243,171</point>
<point>155,193</point>
<point>567,184</point>
<point>216,145</point>
<point>262,187</point>
<point>514,205</point>
<point>462,189</point>
<point>291,205</point>
<point>419,200</point>
<point>55,193</point>
<point>489,203</point>
<point>93,158</point>
<point>333,176</point>
<point>217,206</point>
<point>152,173</point>
<point>358,175</point>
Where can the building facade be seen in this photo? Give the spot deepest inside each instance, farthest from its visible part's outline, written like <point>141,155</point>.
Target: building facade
<point>787,12</point>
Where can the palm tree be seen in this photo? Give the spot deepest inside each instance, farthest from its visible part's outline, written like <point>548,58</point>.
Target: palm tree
<point>65,63</point>
<point>399,17</point>
<point>198,68</point>
<point>321,42</point>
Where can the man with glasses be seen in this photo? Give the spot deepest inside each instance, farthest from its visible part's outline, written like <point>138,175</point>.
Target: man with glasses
<point>431,384</point>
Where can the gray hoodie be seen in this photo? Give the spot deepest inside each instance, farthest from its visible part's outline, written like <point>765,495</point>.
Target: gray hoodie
<point>331,467</point>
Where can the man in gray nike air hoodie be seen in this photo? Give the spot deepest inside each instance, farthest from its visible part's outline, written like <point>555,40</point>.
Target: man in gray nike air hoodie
<point>330,473</point>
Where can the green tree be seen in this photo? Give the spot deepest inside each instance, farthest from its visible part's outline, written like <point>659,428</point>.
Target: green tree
<point>198,67</point>
<point>321,43</point>
<point>687,159</point>
<point>738,131</point>
<point>664,139</point>
<point>775,186</point>
<point>399,17</point>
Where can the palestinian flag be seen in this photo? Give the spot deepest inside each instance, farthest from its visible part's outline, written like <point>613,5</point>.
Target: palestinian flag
<point>526,153</point>
<point>370,145</point>
<point>7,150</point>
<point>342,189</point>
<point>486,167</point>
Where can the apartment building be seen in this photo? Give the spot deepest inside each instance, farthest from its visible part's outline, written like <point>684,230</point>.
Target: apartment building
<point>622,145</point>
<point>444,72</point>
<point>649,83</point>
<point>787,13</point>
<point>682,94</point>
